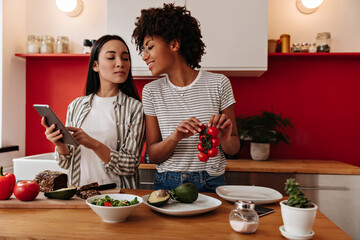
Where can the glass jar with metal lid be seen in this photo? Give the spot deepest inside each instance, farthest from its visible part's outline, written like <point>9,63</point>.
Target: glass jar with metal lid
<point>323,42</point>
<point>295,47</point>
<point>47,44</point>
<point>62,44</point>
<point>33,44</point>
<point>243,218</point>
<point>304,48</point>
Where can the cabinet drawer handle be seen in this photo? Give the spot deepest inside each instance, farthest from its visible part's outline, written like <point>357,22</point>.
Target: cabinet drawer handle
<point>326,188</point>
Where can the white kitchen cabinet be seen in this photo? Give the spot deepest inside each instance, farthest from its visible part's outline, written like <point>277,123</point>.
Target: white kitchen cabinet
<point>234,32</point>
<point>337,197</point>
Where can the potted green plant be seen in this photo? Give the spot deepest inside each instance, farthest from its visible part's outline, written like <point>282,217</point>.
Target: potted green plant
<point>298,213</point>
<point>261,130</point>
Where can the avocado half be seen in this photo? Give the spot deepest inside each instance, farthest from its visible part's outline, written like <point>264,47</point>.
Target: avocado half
<point>63,193</point>
<point>158,198</point>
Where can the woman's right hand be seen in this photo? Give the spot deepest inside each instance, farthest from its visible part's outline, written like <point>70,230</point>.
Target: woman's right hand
<point>52,136</point>
<point>186,129</point>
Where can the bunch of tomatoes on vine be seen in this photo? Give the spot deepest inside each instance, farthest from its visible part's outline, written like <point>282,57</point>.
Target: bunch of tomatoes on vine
<point>208,143</point>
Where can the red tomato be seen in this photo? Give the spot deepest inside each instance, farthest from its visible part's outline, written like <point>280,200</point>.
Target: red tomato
<point>213,152</point>
<point>212,131</point>
<point>203,157</point>
<point>107,204</point>
<point>215,142</point>
<point>200,147</point>
<point>203,128</point>
<point>26,190</point>
<point>201,137</point>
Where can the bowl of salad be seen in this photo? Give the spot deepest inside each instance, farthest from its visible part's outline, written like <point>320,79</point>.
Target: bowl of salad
<point>114,208</point>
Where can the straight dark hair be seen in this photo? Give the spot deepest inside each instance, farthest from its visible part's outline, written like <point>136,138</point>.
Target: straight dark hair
<point>93,79</point>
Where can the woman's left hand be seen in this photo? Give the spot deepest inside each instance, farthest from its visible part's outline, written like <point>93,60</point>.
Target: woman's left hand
<point>223,124</point>
<point>82,137</point>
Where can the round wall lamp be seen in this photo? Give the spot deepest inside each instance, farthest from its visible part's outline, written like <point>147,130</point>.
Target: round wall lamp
<point>308,6</point>
<point>71,8</point>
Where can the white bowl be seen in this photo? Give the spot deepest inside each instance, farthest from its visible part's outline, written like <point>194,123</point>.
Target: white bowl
<point>114,214</point>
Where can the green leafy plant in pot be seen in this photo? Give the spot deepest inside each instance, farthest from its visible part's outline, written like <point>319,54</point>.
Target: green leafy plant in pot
<point>298,213</point>
<point>261,130</point>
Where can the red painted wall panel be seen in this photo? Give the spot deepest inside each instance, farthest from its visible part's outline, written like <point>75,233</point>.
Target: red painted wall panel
<point>318,93</point>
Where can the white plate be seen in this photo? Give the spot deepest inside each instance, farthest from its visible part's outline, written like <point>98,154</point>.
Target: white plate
<point>201,205</point>
<point>295,237</point>
<point>259,195</point>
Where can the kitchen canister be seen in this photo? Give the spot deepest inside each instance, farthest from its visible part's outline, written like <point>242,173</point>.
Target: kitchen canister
<point>33,44</point>
<point>285,43</point>
<point>323,42</point>
<point>62,44</point>
<point>47,44</point>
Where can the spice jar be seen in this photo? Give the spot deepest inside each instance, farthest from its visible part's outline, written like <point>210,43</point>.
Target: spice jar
<point>33,44</point>
<point>312,48</point>
<point>87,46</point>
<point>304,48</point>
<point>62,44</point>
<point>285,43</point>
<point>295,47</point>
<point>323,42</point>
<point>243,218</point>
<point>47,44</point>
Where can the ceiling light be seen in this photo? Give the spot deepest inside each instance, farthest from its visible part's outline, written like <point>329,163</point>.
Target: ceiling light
<point>308,6</point>
<point>71,8</point>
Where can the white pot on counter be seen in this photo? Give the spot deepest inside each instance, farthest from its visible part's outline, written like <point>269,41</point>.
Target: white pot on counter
<point>298,221</point>
<point>259,151</point>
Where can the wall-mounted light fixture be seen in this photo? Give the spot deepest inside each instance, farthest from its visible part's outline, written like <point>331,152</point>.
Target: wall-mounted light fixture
<point>71,8</point>
<point>308,6</point>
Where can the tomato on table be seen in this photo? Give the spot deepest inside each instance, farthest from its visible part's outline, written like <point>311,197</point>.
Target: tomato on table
<point>26,190</point>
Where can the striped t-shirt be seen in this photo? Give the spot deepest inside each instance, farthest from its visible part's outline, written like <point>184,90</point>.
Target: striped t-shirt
<point>207,95</point>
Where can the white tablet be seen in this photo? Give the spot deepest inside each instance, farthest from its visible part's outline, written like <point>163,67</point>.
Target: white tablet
<point>51,118</point>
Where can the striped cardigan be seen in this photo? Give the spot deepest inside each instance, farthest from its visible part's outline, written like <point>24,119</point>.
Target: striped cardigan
<point>125,159</point>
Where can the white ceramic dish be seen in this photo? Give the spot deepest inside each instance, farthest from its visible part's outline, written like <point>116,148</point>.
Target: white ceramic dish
<point>114,214</point>
<point>201,205</point>
<point>259,195</point>
<point>296,237</point>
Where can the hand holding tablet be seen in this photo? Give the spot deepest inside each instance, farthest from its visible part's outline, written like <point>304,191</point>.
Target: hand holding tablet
<point>51,118</point>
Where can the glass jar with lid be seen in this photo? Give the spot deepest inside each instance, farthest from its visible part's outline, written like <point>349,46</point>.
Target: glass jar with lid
<point>33,44</point>
<point>312,48</point>
<point>304,48</point>
<point>323,42</point>
<point>47,44</point>
<point>243,218</point>
<point>62,44</point>
<point>295,47</point>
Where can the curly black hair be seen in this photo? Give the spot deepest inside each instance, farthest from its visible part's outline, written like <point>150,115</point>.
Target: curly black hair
<point>171,22</point>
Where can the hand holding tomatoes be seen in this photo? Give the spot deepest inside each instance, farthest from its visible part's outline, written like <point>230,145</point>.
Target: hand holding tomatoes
<point>209,143</point>
<point>26,190</point>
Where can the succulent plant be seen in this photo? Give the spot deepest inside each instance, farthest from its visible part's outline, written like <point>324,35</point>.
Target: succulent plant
<point>296,196</point>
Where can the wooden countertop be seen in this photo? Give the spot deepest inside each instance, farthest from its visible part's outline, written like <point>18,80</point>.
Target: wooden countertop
<point>285,166</point>
<point>147,224</point>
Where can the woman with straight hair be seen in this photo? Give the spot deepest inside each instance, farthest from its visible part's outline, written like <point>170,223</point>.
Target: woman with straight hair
<point>108,122</point>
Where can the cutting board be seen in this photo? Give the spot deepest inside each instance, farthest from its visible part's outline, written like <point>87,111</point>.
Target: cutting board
<point>43,202</point>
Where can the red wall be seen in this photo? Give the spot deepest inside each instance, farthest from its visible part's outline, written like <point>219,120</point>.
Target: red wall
<point>319,93</point>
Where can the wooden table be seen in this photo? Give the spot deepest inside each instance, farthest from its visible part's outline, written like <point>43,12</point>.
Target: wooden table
<point>146,224</point>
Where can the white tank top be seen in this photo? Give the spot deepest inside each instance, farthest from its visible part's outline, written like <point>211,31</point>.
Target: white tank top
<point>100,125</point>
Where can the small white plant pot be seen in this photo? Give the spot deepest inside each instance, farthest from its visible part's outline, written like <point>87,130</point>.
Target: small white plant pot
<point>260,151</point>
<point>298,221</point>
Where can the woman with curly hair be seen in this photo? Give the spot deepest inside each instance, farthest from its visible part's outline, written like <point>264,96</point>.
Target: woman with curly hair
<point>178,106</point>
